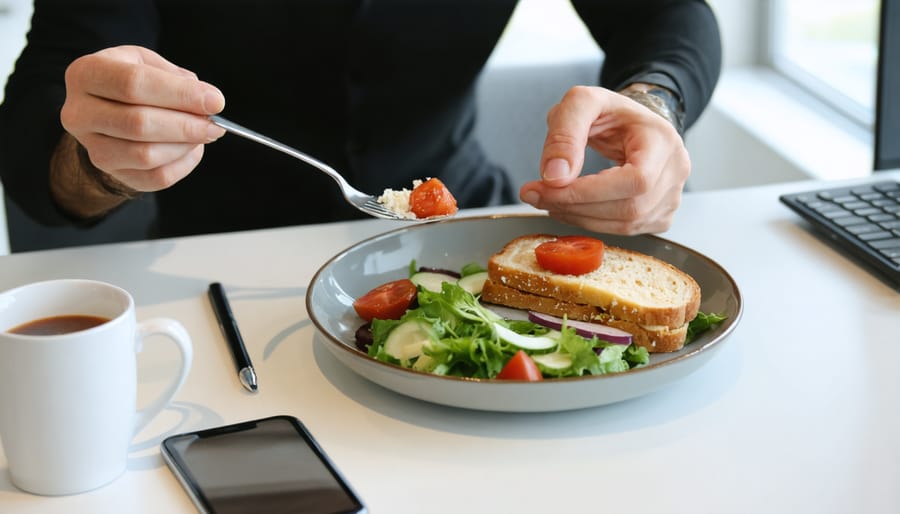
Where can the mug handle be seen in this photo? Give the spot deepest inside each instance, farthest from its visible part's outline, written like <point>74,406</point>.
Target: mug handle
<point>177,333</point>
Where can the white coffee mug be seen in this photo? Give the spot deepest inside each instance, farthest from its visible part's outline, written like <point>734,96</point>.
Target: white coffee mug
<point>68,402</point>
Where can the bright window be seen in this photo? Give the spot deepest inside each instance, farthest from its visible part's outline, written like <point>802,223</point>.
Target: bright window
<point>829,47</point>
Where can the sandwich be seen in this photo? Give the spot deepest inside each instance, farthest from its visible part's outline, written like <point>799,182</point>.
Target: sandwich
<point>647,297</point>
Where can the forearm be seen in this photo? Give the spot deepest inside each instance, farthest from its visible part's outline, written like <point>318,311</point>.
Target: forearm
<point>674,44</point>
<point>78,187</point>
<point>30,130</point>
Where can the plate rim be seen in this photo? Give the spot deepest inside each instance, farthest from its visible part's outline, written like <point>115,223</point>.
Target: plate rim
<point>732,322</point>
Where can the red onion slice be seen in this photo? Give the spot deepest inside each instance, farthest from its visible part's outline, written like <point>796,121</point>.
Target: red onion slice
<point>582,328</point>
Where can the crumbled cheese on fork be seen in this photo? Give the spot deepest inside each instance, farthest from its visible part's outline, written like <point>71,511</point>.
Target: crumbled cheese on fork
<point>398,201</point>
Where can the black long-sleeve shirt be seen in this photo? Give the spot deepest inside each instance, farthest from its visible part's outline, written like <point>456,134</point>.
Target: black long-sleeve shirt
<point>382,90</point>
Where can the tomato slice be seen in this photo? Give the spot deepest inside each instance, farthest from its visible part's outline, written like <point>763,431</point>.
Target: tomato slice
<point>520,367</point>
<point>432,198</point>
<point>570,255</point>
<point>387,301</point>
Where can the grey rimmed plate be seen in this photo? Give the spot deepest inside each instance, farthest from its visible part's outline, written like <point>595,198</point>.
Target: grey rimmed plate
<point>450,244</point>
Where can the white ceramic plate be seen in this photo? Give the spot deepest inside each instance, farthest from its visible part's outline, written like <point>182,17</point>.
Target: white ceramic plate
<point>450,244</point>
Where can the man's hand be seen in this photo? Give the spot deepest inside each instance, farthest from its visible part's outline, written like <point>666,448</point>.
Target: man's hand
<point>639,195</point>
<point>142,119</point>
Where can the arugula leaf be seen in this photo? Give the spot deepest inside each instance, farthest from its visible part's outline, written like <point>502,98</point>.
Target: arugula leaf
<point>454,303</point>
<point>636,356</point>
<point>584,358</point>
<point>701,323</point>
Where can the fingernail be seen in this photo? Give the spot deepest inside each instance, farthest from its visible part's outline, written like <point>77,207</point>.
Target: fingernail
<point>531,197</point>
<point>556,169</point>
<point>213,101</point>
<point>214,132</point>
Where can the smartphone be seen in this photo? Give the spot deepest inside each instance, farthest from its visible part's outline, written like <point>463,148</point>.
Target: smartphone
<point>270,465</point>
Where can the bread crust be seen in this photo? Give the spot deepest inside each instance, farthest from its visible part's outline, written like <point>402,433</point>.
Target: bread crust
<point>658,340</point>
<point>630,286</point>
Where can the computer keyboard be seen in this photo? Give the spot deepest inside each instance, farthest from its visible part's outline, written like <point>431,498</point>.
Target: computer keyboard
<point>864,220</point>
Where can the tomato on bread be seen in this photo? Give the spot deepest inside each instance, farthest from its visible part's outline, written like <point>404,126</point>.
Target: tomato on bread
<point>570,255</point>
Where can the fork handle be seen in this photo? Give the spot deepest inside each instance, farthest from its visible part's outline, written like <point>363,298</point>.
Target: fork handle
<point>252,135</point>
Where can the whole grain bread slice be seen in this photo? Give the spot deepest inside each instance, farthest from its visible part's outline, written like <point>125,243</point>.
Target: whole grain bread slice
<point>629,285</point>
<point>654,339</point>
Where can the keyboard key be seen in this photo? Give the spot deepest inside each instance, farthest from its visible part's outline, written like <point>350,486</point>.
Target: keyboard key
<point>856,205</point>
<point>868,211</point>
<point>865,228</point>
<point>873,236</point>
<point>836,212</point>
<point>820,205</point>
<point>883,244</point>
<point>848,220</point>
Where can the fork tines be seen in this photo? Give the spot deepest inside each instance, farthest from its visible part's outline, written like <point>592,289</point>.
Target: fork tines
<point>375,208</point>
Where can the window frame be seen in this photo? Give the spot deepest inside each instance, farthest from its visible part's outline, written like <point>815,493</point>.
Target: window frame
<point>809,82</point>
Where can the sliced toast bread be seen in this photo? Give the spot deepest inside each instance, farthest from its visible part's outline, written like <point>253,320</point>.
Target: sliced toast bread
<point>629,285</point>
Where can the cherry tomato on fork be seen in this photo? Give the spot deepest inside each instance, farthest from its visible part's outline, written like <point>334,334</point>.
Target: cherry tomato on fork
<point>570,255</point>
<point>387,301</point>
<point>520,367</point>
<point>432,198</point>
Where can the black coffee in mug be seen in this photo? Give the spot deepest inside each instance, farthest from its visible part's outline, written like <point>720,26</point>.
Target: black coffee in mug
<point>55,325</point>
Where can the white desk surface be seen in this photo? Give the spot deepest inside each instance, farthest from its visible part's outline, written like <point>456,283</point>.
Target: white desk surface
<point>799,411</point>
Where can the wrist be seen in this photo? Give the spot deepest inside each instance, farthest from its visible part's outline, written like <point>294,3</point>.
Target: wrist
<point>79,188</point>
<point>660,100</point>
<point>104,180</point>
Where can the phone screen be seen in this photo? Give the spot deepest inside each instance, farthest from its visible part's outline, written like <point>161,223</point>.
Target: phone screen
<point>268,465</point>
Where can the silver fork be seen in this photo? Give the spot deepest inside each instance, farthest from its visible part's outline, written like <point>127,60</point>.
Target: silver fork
<point>362,201</point>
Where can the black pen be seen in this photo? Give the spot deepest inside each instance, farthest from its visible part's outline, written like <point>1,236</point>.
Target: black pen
<point>233,336</point>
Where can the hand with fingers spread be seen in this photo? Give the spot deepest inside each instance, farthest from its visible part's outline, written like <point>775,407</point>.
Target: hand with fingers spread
<point>134,123</point>
<point>638,195</point>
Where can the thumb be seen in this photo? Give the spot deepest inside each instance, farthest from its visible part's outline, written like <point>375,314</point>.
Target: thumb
<point>569,125</point>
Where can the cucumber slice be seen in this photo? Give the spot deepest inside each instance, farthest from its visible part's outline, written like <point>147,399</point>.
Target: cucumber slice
<point>553,360</point>
<point>432,280</point>
<point>423,363</point>
<point>525,342</point>
<point>405,342</point>
<point>473,283</point>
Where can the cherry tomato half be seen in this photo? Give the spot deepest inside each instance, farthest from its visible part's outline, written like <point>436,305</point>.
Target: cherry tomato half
<point>432,198</point>
<point>387,301</point>
<point>570,255</point>
<point>520,367</point>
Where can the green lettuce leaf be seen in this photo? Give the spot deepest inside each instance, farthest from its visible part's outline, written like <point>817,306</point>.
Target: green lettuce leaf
<point>701,323</point>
